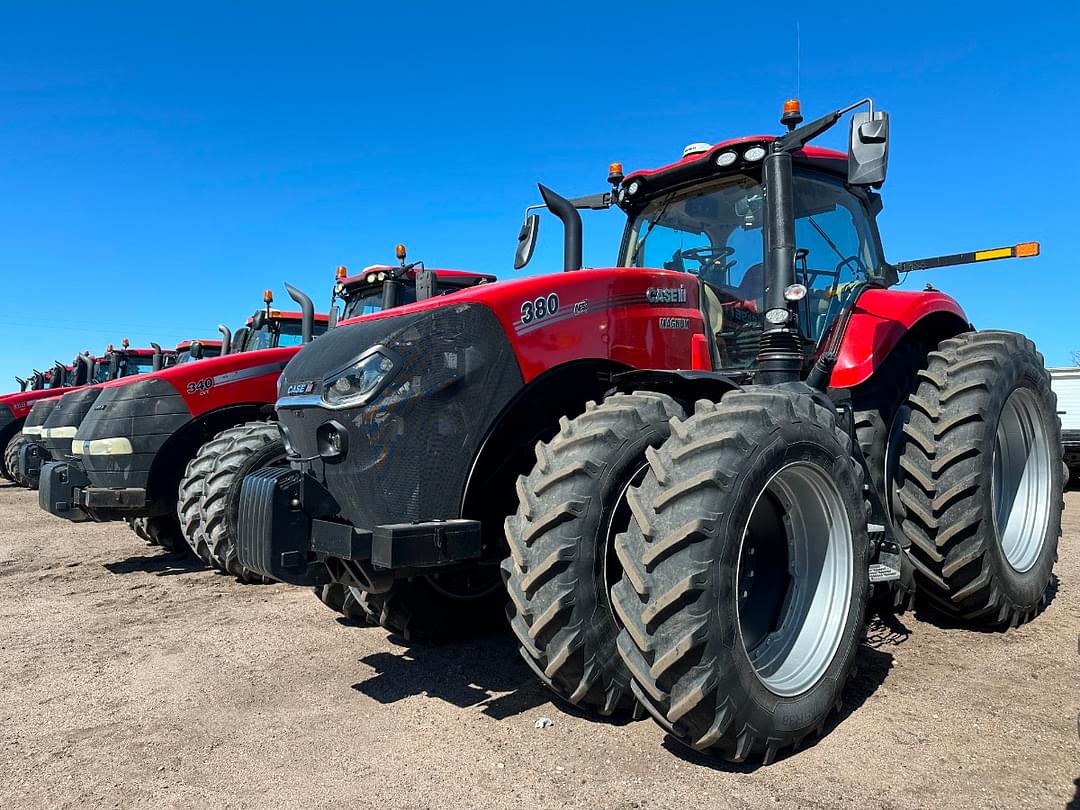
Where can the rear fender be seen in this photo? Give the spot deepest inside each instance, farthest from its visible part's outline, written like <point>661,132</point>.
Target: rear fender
<point>685,386</point>
<point>882,318</point>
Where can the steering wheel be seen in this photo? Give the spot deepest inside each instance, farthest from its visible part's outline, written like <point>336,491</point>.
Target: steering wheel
<point>706,255</point>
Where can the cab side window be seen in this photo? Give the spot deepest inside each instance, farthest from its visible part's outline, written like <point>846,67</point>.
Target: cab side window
<point>837,250</point>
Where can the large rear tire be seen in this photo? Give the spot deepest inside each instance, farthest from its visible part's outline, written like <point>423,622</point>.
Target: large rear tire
<point>562,563</point>
<point>11,458</point>
<point>238,451</point>
<point>745,574</point>
<point>980,479</point>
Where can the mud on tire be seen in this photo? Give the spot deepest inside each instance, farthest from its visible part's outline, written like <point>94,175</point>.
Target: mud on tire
<point>724,653</point>
<point>562,565</point>
<point>980,478</point>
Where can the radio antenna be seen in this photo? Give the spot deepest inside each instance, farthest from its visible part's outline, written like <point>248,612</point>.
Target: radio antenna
<point>798,61</point>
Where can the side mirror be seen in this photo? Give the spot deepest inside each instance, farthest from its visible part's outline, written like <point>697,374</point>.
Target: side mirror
<point>427,284</point>
<point>332,317</point>
<point>868,149</point>
<point>526,240</point>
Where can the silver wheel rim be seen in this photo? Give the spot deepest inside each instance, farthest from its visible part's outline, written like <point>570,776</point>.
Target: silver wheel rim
<point>1021,483</point>
<point>795,579</point>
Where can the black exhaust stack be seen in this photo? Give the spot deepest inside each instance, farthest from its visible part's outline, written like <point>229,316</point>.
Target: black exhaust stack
<point>22,383</point>
<point>226,338</point>
<point>307,323</point>
<point>84,369</point>
<point>779,359</point>
<point>158,356</point>
<point>571,220</point>
<point>57,375</point>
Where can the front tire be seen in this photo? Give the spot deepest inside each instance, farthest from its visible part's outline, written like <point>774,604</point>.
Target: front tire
<point>980,479</point>
<point>340,599</point>
<point>11,458</point>
<point>160,530</point>
<point>562,565</point>
<point>239,451</point>
<point>745,574</point>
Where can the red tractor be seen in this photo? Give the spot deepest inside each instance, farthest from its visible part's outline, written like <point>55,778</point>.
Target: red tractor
<point>15,426</point>
<point>42,437</point>
<point>694,467</point>
<point>32,452</point>
<point>164,449</point>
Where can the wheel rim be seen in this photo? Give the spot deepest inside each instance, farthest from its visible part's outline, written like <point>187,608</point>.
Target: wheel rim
<point>795,579</point>
<point>1021,480</point>
<point>610,569</point>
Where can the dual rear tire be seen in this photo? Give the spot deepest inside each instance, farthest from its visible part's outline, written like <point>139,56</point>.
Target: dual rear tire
<point>736,544</point>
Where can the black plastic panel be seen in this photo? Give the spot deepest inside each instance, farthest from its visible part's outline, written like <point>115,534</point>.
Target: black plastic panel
<point>410,450</point>
<point>70,410</point>
<point>148,413</point>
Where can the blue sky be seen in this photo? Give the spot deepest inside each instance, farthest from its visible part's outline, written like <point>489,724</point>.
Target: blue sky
<point>161,165</point>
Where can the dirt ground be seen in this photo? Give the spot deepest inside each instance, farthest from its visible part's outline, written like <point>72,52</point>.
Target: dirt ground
<point>129,678</point>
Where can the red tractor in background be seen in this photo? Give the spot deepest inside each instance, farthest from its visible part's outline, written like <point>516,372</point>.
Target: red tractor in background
<point>693,467</point>
<point>150,412</point>
<point>32,452</point>
<point>29,450</point>
<point>164,449</point>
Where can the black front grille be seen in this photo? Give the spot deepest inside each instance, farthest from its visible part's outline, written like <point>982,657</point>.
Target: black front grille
<point>410,450</point>
<point>148,413</point>
<point>39,413</point>
<point>69,411</point>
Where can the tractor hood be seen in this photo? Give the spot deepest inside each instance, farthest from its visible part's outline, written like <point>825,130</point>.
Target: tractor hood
<point>20,403</point>
<point>446,373</point>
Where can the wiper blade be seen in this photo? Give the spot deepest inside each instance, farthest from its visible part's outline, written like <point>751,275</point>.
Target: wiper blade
<point>652,224</point>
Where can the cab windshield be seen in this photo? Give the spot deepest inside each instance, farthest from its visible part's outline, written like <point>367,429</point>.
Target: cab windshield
<point>369,300</point>
<point>715,231</point>
<point>136,364</point>
<point>279,333</point>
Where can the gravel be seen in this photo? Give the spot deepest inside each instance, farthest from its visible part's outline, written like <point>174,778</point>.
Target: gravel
<point>131,678</point>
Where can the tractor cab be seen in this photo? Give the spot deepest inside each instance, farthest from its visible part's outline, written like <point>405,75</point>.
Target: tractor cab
<point>126,362</point>
<point>270,328</point>
<point>705,216</point>
<point>381,286</point>
<point>190,350</point>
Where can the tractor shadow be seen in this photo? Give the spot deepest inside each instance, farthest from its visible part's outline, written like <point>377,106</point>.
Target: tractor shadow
<point>161,564</point>
<point>485,672</point>
<point>873,661</point>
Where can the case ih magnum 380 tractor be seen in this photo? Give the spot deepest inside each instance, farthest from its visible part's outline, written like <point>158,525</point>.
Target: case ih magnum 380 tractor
<point>165,450</point>
<point>42,438</point>
<point>693,467</point>
<point>15,409</point>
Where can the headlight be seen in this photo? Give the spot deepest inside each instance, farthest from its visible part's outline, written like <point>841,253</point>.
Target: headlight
<point>359,382</point>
